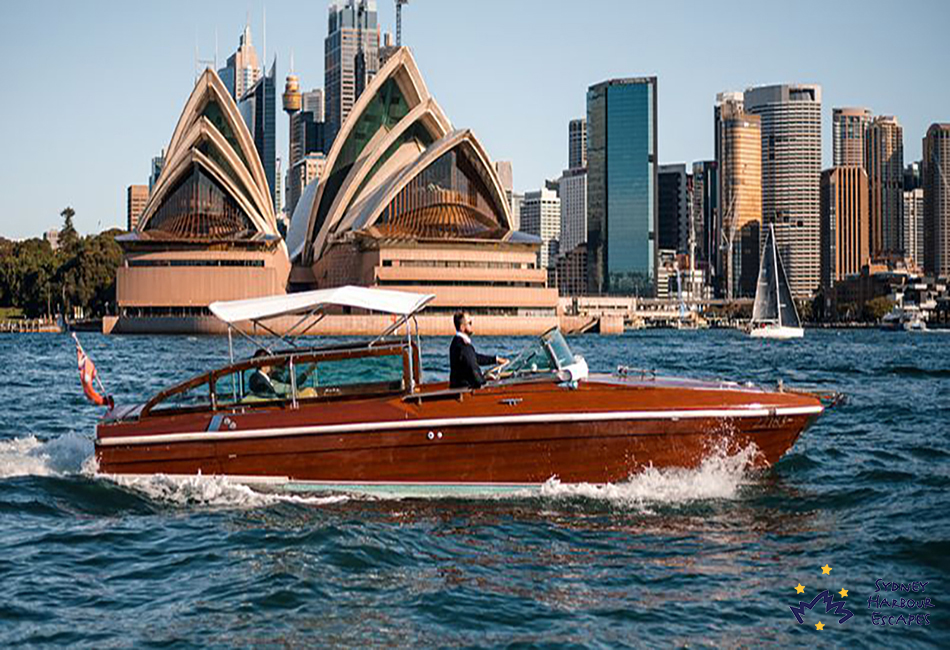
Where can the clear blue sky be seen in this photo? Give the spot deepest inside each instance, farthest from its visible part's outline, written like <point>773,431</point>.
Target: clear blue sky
<point>95,88</point>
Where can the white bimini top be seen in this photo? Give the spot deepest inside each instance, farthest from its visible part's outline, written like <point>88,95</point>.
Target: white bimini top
<point>400,303</point>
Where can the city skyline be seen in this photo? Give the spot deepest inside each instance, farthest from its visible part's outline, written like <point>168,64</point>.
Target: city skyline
<point>155,67</point>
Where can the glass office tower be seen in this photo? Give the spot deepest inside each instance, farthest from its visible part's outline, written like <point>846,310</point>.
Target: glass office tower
<point>259,110</point>
<point>621,187</point>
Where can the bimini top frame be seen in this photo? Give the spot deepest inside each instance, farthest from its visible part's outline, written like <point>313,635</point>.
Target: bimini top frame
<point>312,306</point>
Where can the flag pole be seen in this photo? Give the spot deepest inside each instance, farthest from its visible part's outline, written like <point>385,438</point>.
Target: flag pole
<point>96,375</point>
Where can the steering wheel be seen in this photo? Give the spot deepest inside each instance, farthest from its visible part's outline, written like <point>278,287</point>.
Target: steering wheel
<point>494,373</point>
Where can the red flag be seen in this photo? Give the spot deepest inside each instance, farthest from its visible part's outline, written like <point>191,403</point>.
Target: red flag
<point>88,375</point>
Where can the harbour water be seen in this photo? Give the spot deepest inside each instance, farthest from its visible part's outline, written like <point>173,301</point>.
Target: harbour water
<point>711,556</point>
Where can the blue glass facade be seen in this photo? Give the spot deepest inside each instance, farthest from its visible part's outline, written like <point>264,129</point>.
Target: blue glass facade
<point>259,109</point>
<point>622,187</point>
<point>265,129</point>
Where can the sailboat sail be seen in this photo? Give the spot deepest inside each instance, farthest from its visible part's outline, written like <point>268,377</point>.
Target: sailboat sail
<point>765,309</point>
<point>788,314</point>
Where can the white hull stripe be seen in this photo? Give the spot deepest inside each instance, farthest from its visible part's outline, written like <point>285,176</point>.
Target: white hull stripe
<point>441,423</point>
<point>284,485</point>
<point>282,481</point>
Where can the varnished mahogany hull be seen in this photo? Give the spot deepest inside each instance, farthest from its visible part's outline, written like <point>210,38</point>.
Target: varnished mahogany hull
<point>602,432</point>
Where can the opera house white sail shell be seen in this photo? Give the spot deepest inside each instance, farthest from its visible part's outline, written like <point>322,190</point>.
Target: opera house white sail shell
<point>409,202</point>
<point>208,231</point>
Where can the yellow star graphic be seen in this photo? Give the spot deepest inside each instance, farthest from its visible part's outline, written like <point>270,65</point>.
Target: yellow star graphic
<point>819,625</point>
<point>844,593</point>
<point>826,570</point>
<point>799,589</point>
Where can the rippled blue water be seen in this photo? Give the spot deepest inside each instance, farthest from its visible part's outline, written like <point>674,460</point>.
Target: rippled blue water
<point>706,557</point>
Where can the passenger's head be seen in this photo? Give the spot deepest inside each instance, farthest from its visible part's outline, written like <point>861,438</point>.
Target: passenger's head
<point>261,352</point>
<point>463,322</point>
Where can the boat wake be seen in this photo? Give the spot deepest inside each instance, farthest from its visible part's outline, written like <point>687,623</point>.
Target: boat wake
<point>72,455</point>
<point>720,476</point>
<point>31,456</point>
<point>212,491</point>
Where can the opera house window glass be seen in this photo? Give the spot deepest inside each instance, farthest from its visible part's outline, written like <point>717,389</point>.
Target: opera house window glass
<point>213,112</point>
<point>198,208</point>
<point>384,111</point>
<point>416,133</point>
<point>448,199</point>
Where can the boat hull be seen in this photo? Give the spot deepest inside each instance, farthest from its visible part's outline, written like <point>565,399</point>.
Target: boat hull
<point>499,437</point>
<point>777,332</point>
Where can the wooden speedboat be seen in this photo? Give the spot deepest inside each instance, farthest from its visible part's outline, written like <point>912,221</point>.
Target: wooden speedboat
<point>361,418</point>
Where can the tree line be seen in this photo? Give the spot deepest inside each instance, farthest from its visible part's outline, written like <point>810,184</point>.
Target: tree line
<point>81,272</point>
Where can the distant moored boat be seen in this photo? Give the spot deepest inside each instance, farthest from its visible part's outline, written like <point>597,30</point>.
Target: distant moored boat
<point>774,315</point>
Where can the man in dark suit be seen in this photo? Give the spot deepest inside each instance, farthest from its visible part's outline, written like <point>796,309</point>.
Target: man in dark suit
<point>464,361</point>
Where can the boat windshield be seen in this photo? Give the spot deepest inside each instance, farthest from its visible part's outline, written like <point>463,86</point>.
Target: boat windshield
<point>546,354</point>
<point>292,376</point>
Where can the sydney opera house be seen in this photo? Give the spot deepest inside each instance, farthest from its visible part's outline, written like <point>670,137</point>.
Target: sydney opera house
<point>407,201</point>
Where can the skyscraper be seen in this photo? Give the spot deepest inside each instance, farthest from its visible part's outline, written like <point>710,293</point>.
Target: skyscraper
<point>158,163</point>
<point>309,168</point>
<point>884,162</point>
<point>312,102</point>
<point>243,68</point>
<point>306,121</point>
<point>136,198</point>
<point>259,110</point>
<point>936,181</point>
<point>621,186</point>
<point>845,226</point>
<point>541,216</point>
<point>912,176</point>
<point>516,201</point>
<point>350,23</point>
<point>739,151</point>
<point>672,208</point>
<point>577,143</point>
<point>573,209</point>
<point>705,215</point>
<point>914,225</point>
<point>791,176</point>
<point>848,129</point>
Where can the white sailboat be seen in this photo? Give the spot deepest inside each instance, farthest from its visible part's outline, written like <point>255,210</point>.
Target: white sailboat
<point>774,315</point>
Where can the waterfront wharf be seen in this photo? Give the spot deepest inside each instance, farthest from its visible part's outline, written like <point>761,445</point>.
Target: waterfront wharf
<point>30,325</point>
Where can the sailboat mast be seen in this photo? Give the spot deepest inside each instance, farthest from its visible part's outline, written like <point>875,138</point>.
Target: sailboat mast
<point>778,294</point>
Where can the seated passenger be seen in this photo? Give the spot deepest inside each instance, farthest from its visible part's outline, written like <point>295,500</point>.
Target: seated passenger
<point>262,384</point>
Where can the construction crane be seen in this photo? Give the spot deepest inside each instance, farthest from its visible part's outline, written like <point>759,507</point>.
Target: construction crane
<point>399,4</point>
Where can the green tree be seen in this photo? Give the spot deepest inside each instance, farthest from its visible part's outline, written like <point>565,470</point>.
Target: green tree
<point>39,281</point>
<point>27,277</point>
<point>876,308</point>
<point>88,276</point>
<point>6,272</point>
<point>68,237</point>
<point>847,311</point>
<point>806,311</point>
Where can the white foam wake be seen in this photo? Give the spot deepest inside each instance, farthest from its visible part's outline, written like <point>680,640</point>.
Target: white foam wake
<point>719,476</point>
<point>213,491</point>
<point>72,454</point>
<point>30,456</point>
